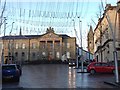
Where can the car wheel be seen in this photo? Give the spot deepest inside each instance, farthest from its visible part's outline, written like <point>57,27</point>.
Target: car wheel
<point>92,71</point>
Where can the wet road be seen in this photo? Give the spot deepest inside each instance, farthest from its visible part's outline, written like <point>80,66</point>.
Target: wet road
<point>57,76</point>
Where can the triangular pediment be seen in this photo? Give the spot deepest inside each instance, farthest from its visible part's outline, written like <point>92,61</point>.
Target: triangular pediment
<point>50,34</point>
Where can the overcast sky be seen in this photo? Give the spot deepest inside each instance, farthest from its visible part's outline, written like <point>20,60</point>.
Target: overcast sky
<point>34,16</point>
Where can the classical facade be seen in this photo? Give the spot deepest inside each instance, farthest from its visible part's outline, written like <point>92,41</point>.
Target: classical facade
<point>49,46</point>
<point>103,38</point>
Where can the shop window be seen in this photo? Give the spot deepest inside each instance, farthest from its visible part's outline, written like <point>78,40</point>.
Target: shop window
<point>33,45</point>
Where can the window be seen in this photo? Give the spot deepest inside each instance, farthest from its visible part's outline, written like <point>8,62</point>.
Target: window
<point>98,64</point>
<point>23,46</point>
<point>16,46</point>
<point>42,44</point>
<point>104,64</point>
<point>51,45</point>
<point>33,45</point>
<point>57,43</point>
<point>68,45</point>
<point>119,44</point>
<point>43,53</point>
<point>33,54</point>
<point>9,54</point>
<point>9,45</point>
<point>58,55</point>
<point>23,54</point>
<point>68,54</point>
<point>16,54</point>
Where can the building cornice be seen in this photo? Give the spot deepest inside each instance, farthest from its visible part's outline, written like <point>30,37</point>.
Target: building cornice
<point>100,47</point>
<point>107,8</point>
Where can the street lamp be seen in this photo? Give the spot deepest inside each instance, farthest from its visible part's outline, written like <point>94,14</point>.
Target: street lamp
<point>3,40</point>
<point>9,48</point>
<point>77,66</point>
<point>81,58</point>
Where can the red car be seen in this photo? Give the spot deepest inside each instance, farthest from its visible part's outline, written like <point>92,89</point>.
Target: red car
<point>99,67</point>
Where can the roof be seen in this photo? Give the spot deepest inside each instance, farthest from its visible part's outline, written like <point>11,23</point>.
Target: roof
<point>30,36</point>
<point>20,37</point>
<point>64,36</point>
<point>108,7</point>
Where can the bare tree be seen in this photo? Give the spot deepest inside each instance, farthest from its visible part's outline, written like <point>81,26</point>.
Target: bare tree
<point>2,13</point>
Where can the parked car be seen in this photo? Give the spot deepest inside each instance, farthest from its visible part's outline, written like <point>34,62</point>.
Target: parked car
<point>72,62</point>
<point>20,69</point>
<point>99,67</point>
<point>10,72</point>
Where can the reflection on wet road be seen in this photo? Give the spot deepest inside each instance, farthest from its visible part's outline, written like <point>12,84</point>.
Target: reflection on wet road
<point>71,78</point>
<point>58,76</point>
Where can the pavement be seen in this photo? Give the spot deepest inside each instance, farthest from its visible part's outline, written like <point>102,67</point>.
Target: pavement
<point>112,81</point>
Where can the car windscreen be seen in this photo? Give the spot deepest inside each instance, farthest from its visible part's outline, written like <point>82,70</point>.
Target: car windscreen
<point>8,67</point>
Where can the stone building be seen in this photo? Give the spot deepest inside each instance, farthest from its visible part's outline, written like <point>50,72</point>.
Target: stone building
<point>49,46</point>
<point>90,39</point>
<point>103,38</point>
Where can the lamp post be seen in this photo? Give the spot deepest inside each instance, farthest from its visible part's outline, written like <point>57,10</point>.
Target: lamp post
<point>9,49</point>
<point>3,40</point>
<point>81,58</point>
<point>77,66</point>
